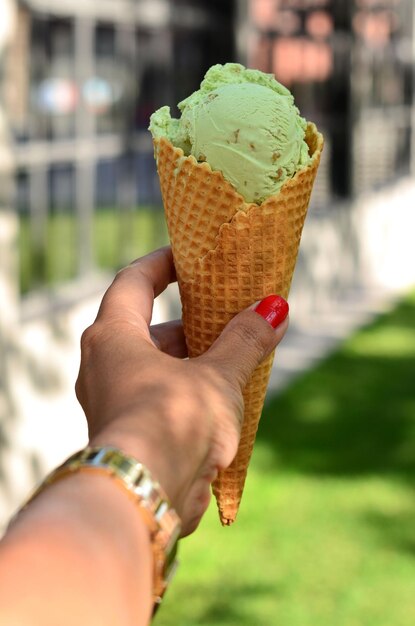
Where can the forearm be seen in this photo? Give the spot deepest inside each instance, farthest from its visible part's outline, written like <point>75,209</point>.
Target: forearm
<point>80,553</point>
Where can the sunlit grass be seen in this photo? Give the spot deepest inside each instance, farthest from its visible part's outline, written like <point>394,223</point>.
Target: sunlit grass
<point>326,531</point>
<point>394,341</point>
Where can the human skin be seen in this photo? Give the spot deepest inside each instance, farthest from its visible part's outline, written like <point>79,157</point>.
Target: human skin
<point>80,552</point>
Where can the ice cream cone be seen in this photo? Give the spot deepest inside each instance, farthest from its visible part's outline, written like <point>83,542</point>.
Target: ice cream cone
<point>229,254</point>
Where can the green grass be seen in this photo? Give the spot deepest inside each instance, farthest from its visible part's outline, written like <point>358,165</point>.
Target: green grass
<point>326,531</point>
<point>117,239</point>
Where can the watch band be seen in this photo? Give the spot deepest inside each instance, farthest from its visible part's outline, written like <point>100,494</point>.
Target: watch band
<point>158,515</point>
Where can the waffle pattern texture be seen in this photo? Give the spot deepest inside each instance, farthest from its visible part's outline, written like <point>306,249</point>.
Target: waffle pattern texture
<point>229,254</point>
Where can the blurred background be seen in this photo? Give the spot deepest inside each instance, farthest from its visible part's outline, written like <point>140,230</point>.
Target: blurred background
<point>326,531</point>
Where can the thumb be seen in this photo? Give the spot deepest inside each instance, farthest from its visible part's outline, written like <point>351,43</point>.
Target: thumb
<point>248,338</point>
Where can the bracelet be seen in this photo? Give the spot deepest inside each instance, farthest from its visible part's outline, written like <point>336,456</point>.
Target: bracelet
<point>160,518</point>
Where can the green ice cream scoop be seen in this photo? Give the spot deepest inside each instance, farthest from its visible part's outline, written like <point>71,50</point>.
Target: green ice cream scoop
<point>244,124</point>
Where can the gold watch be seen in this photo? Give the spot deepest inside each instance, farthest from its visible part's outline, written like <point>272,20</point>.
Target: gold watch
<point>153,504</point>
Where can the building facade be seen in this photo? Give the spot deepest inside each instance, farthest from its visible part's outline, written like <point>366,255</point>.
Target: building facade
<point>81,78</point>
<point>351,68</point>
<point>80,81</point>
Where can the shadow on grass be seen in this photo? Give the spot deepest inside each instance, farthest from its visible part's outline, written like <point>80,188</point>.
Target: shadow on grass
<point>353,416</point>
<point>230,603</point>
<point>355,413</point>
<point>396,530</point>
<point>224,610</point>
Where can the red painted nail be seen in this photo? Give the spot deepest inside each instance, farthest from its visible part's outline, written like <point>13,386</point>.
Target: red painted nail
<point>273,309</point>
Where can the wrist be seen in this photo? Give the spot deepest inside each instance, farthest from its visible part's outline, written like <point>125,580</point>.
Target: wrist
<point>83,533</point>
<point>136,481</point>
<point>152,451</point>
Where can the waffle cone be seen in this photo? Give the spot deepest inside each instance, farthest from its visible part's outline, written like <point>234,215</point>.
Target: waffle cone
<point>229,254</point>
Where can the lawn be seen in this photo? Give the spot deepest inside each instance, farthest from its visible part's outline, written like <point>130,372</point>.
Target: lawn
<point>326,532</point>
<point>117,238</point>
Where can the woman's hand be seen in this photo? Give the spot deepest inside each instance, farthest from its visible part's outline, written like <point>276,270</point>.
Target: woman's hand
<point>80,551</point>
<point>180,417</point>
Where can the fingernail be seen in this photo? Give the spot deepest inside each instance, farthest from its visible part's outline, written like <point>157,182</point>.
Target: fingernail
<point>274,309</point>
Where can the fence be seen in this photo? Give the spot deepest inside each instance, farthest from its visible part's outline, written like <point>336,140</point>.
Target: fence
<point>81,79</point>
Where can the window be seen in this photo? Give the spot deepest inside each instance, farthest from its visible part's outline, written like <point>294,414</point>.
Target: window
<point>53,92</point>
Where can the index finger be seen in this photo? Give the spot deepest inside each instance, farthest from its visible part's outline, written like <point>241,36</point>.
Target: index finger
<point>131,295</point>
